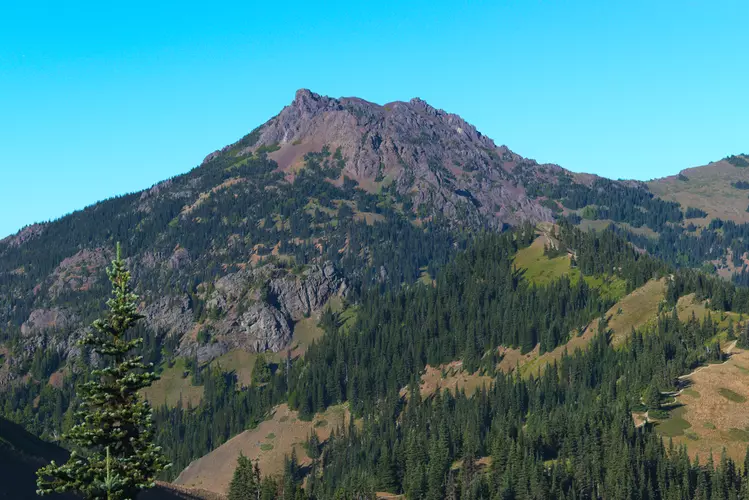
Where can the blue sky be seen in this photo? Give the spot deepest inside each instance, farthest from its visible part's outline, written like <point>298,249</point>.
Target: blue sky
<point>98,100</point>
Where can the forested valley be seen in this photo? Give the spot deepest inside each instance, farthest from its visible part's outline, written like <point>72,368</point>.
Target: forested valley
<point>564,432</point>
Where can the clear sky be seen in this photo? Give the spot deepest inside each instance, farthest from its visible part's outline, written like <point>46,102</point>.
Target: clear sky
<point>99,99</point>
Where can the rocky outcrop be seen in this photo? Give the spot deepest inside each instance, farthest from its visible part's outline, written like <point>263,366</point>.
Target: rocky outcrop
<point>78,272</point>
<point>180,258</point>
<point>298,297</point>
<point>244,283</point>
<point>263,328</point>
<point>41,320</point>
<point>162,189</point>
<point>24,235</point>
<point>54,328</point>
<point>171,316</point>
<point>258,307</point>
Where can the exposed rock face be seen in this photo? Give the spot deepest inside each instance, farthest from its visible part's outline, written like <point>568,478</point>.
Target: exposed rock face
<point>299,297</point>
<point>164,188</point>
<point>179,258</point>
<point>46,319</point>
<point>259,308</point>
<point>55,328</point>
<point>155,189</point>
<point>149,260</point>
<point>233,286</point>
<point>435,157</point>
<point>78,272</point>
<point>263,328</point>
<point>169,315</point>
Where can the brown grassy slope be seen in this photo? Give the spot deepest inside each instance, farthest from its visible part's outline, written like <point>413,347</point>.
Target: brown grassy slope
<point>269,442</point>
<point>454,379</point>
<point>715,414</point>
<point>708,188</point>
<point>172,387</point>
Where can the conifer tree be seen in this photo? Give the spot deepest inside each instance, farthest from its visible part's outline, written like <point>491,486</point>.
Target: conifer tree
<point>743,341</point>
<point>261,371</point>
<point>313,445</point>
<point>439,464</point>
<point>652,397</point>
<point>245,483</point>
<point>115,456</point>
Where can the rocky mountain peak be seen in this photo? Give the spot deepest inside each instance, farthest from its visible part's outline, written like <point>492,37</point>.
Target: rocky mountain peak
<point>437,158</point>
<point>306,101</point>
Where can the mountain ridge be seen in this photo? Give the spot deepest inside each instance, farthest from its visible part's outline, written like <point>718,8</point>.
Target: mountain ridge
<point>308,102</point>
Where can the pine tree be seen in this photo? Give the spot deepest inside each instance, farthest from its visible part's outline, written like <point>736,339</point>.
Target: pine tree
<point>115,456</point>
<point>261,371</point>
<point>652,397</point>
<point>386,474</point>
<point>244,484</point>
<point>743,341</point>
<point>439,464</point>
<point>313,445</point>
<point>269,489</point>
<point>414,480</point>
<point>730,330</point>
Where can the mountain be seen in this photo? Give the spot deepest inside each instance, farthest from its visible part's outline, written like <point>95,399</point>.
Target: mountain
<point>264,232</point>
<point>303,209</point>
<point>308,241</point>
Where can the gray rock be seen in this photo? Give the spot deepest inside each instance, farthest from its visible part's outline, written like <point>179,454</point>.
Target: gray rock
<point>41,320</point>
<point>298,297</point>
<point>259,307</point>
<point>204,352</point>
<point>169,315</point>
<point>263,328</point>
<point>79,272</point>
<point>180,258</point>
<point>24,235</point>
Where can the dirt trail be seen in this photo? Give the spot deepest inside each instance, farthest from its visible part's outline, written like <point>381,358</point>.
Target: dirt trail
<point>729,349</point>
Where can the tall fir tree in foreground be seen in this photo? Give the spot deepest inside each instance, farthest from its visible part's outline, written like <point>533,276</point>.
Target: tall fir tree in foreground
<point>114,456</point>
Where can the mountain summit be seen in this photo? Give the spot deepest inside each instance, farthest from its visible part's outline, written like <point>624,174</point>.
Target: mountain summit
<point>438,159</point>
